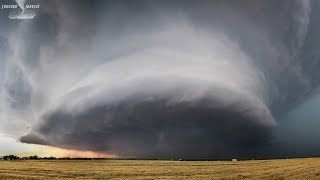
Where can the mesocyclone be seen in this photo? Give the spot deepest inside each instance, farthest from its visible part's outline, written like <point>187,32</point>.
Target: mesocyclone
<point>166,79</point>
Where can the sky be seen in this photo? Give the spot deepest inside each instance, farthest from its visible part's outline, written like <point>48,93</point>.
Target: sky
<point>161,79</point>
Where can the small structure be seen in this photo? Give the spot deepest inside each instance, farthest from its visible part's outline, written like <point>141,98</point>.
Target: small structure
<point>234,160</point>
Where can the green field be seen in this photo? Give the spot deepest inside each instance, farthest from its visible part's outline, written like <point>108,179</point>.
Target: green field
<point>306,168</point>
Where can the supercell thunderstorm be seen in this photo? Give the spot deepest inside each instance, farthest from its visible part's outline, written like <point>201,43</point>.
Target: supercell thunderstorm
<point>160,79</point>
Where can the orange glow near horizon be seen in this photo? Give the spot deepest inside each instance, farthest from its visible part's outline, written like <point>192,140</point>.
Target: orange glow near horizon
<point>11,146</point>
<point>48,151</point>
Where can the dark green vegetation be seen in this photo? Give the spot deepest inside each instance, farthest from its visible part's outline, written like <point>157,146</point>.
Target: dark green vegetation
<point>14,157</point>
<point>305,168</point>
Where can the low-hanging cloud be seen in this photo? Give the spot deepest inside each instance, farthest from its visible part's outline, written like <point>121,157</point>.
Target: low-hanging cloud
<point>161,79</point>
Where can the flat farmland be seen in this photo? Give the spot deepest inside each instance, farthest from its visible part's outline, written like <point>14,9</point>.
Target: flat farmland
<point>304,168</point>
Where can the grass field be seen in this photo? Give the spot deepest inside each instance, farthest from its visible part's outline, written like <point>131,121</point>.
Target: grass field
<point>305,168</point>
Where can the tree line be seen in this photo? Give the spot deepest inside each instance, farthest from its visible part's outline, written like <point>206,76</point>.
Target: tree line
<point>14,157</point>
<point>35,157</point>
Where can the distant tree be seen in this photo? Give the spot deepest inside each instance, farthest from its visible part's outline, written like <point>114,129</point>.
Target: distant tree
<point>49,158</point>
<point>5,157</point>
<point>35,157</point>
<point>10,157</point>
<point>25,158</point>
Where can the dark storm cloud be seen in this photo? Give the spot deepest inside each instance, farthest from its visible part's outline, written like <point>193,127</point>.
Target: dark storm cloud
<point>155,124</point>
<point>194,79</point>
